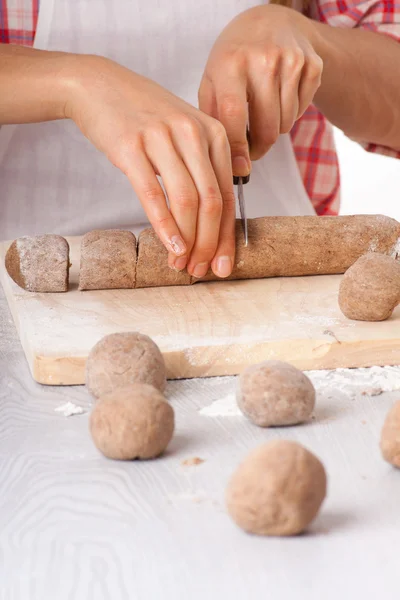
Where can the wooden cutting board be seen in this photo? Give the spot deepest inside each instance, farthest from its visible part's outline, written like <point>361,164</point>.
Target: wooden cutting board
<point>203,330</point>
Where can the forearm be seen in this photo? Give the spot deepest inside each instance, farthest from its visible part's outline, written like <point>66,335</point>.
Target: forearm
<point>360,89</point>
<point>33,84</point>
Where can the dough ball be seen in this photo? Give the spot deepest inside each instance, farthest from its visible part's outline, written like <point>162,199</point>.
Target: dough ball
<point>121,359</point>
<point>108,260</point>
<point>39,264</point>
<point>275,393</point>
<point>390,437</point>
<point>370,288</point>
<point>132,422</point>
<point>277,490</point>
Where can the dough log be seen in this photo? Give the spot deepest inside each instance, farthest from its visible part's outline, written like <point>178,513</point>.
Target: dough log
<point>282,247</point>
<point>278,247</point>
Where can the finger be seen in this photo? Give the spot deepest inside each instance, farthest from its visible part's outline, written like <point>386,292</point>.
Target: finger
<point>291,74</point>
<point>191,142</point>
<point>144,181</point>
<point>208,224</point>
<point>310,82</point>
<point>207,99</point>
<point>231,99</point>
<point>181,191</point>
<point>264,112</point>
<point>224,259</point>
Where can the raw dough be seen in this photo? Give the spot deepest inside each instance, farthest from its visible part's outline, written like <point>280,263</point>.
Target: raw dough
<point>275,393</point>
<point>39,264</point>
<point>120,359</point>
<point>278,247</point>
<point>370,289</point>
<point>390,437</point>
<point>282,246</point>
<point>108,260</point>
<point>277,490</point>
<point>152,265</point>
<point>132,422</point>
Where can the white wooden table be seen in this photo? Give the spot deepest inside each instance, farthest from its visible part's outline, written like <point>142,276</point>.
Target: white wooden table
<point>75,526</point>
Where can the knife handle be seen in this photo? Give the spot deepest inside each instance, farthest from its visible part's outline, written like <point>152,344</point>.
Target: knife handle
<point>244,179</point>
<point>247,178</point>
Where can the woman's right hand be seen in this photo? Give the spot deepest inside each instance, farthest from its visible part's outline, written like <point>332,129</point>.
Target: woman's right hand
<point>145,130</point>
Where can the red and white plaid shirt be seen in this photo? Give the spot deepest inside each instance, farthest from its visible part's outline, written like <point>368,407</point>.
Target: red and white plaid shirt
<point>312,135</point>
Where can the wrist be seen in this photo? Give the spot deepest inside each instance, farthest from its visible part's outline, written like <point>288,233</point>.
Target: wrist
<point>320,40</point>
<point>85,75</point>
<point>73,80</point>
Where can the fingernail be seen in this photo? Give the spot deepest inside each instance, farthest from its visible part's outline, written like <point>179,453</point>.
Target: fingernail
<point>224,266</point>
<point>180,263</point>
<point>240,166</point>
<point>177,245</point>
<point>200,270</point>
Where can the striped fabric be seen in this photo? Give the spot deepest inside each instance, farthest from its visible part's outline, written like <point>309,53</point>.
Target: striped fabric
<point>18,20</point>
<point>312,136</point>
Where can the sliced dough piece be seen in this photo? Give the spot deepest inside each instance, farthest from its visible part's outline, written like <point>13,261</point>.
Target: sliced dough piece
<point>40,263</point>
<point>152,265</point>
<point>108,260</point>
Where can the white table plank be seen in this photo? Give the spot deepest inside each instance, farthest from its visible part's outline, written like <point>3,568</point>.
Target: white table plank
<point>74,525</point>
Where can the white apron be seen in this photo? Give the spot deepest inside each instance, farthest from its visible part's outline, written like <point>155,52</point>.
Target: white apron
<point>53,180</point>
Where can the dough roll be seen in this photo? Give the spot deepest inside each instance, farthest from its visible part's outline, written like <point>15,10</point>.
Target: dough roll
<point>282,247</point>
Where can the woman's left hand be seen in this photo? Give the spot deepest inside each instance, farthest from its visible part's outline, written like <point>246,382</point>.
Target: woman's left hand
<point>263,70</point>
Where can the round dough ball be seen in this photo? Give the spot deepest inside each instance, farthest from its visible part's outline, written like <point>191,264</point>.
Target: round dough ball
<point>275,393</point>
<point>390,437</point>
<point>132,422</point>
<point>370,288</point>
<point>121,359</point>
<point>277,490</point>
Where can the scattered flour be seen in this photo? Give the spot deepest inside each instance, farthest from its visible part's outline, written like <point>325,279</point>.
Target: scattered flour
<point>224,407</point>
<point>195,497</point>
<point>320,320</point>
<point>70,409</point>
<point>369,381</point>
<point>356,381</point>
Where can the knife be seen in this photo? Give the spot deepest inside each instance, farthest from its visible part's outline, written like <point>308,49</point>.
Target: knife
<point>240,182</point>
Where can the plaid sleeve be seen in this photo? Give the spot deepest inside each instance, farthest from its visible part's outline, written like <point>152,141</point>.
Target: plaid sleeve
<point>379,16</point>
<point>18,20</point>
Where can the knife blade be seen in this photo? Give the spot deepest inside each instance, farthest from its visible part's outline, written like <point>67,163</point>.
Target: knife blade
<point>242,209</point>
<point>240,182</point>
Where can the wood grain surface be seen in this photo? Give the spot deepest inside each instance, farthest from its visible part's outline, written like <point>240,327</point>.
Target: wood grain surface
<point>75,526</point>
<point>203,330</point>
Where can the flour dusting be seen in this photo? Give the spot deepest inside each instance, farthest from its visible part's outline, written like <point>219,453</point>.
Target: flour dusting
<point>367,381</point>
<point>350,382</point>
<point>25,245</point>
<point>373,245</point>
<point>396,249</point>
<point>69,409</point>
<point>320,320</point>
<point>224,407</point>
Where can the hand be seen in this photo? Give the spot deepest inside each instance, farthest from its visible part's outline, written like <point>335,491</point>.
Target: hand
<point>146,131</point>
<point>263,69</point>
